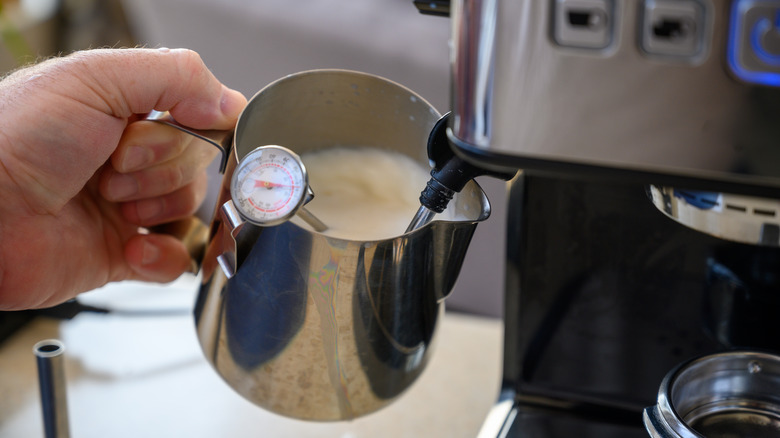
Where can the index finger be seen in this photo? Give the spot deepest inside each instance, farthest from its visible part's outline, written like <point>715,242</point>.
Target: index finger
<point>136,81</point>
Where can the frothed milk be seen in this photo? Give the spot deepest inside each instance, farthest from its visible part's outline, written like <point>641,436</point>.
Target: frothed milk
<point>364,193</point>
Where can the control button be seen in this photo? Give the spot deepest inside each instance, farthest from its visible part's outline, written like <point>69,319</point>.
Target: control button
<point>754,41</point>
<point>586,24</point>
<point>675,29</point>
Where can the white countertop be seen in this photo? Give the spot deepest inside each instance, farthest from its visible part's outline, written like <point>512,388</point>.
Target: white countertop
<point>145,376</point>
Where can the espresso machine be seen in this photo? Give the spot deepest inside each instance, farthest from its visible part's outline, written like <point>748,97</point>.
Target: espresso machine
<point>644,224</point>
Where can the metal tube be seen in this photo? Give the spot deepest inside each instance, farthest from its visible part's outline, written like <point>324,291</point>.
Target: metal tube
<point>51,378</point>
<point>421,218</point>
<point>312,220</point>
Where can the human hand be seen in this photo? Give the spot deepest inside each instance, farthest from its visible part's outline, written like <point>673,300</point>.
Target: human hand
<point>78,177</point>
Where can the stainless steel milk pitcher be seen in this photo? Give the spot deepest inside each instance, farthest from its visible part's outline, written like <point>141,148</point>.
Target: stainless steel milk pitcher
<point>315,327</point>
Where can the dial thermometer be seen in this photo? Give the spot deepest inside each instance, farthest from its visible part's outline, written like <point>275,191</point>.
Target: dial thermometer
<point>270,185</point>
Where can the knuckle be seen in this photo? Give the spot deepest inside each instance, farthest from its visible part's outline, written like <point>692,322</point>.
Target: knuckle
<point>190,64</point>
<point>174,177</point>
<point>161,181</point>
<point>178,205</point>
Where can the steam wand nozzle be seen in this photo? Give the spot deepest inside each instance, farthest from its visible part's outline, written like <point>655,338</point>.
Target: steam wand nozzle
<point>449,175</point>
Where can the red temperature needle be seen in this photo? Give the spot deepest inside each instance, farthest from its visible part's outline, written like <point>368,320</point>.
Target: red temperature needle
<point>269,184</point>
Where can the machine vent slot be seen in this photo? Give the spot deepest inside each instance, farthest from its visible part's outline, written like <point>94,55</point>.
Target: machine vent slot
<point>738,208</point>
<point>763,212</point>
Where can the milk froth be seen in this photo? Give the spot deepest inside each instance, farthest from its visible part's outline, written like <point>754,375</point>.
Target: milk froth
<point>364,193</point>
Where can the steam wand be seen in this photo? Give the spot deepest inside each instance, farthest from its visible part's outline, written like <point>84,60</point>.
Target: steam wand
<point>449,175</point>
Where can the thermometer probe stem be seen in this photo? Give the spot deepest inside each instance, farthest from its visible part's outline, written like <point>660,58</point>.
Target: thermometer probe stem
<point>312,220</point>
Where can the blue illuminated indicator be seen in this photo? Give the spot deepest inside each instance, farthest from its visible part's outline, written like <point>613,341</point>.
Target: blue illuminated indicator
<point>760,28</point>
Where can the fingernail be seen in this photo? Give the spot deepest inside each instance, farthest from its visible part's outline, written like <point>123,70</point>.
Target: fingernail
<point>122,186</point>
<point>136,157</point>
<point>149,209</point>
<point>151,254</point>
<point>232,102</point>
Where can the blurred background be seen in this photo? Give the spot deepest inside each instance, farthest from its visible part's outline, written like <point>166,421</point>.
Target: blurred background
<point>250,43</point>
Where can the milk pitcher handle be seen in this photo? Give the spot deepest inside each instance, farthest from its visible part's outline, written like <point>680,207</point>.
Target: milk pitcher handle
<point>192,231</point>
<point>222,140</point>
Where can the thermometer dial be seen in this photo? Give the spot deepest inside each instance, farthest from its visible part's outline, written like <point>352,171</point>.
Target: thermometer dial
<point>269,185</point>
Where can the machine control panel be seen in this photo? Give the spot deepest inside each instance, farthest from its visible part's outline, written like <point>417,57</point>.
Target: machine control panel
<point>754,41</point>
<point>586,24</point>
<point>675,30</point>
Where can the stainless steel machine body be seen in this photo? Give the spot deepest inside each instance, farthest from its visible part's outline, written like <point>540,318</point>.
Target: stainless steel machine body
<point>605,105</point>
<point>684,88</point>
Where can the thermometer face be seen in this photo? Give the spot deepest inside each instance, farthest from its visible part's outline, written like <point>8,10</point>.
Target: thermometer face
<point>269,185</point>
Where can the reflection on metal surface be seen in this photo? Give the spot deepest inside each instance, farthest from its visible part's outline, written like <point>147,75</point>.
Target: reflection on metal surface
<point>740,301</point>
<point>323,328</point>
<point>739,218</point>
<point>500,417</point>
<point>473,32</point>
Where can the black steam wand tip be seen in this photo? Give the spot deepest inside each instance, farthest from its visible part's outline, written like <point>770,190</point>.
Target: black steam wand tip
<point>449,175</point>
